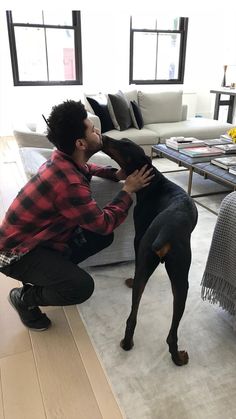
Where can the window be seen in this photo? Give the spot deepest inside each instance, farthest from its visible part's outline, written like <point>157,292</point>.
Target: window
<point>46,51</point>
<point>157,50</point>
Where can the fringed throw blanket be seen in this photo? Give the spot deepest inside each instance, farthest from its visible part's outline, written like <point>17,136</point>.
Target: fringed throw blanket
<point>219,278</point>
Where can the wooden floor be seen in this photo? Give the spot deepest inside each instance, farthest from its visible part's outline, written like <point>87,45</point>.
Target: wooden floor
<point>53,374</point>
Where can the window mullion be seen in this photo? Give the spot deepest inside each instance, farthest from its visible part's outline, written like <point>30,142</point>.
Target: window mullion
<point>156,56</point>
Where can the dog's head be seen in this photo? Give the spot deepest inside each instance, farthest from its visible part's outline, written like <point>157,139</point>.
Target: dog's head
<point>126,153</point>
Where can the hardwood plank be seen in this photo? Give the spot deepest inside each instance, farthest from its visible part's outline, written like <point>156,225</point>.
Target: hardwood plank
<point>1,398</point>
<point>14,335</point>
<point>105,398</point>
<point>21,392</point>
<point>66,390</point>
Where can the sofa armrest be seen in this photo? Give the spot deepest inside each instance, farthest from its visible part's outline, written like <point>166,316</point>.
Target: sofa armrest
<point>122,249</point>
<point>103,160</point>
<point>28,138</point>
<point>184,112</point>
<point>95,120</point>
<point>32,158</point>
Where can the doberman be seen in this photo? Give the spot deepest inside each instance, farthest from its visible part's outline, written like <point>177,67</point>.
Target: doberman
<point>164,218</point>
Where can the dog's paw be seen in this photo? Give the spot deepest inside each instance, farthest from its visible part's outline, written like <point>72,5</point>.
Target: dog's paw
<point>126,345</point>
<point>180,358</point>
<point>129,282</point>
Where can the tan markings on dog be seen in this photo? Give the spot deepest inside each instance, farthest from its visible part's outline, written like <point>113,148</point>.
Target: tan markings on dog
<point>163,251</point>
<point>129,282</point>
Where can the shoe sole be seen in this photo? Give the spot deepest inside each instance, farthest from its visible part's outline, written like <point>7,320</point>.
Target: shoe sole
<point>30,328</point>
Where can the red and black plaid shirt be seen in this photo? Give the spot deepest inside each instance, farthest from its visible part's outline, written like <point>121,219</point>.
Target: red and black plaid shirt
<point>54,203</point>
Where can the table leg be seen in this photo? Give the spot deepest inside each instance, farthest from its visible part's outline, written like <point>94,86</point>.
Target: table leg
<point>230,109</point>
<point>190,178</point>
<point>217,106</point>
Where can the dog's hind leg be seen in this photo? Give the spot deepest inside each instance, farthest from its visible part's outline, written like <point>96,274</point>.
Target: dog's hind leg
<point>143,271</point>
<point>177,265</point>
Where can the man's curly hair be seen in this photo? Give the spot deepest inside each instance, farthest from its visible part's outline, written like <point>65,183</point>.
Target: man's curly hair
<point>66,125</point>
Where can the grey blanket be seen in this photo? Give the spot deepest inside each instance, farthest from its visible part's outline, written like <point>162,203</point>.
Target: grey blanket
<point>219,278</point>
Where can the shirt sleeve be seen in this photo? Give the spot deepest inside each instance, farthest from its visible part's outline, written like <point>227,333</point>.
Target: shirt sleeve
<point>79,206</point>
<point>107,172</point>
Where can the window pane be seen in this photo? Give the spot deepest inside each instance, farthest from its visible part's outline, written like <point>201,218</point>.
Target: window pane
<point>167,23</point>
<point>144,56</point>
<point>160,22</point>
<point>61,54</point>
<point>31,59</point>
<point>47,17</point>
<point>58,17</point>
<point>27,16</point>
<point>143,22</point>
<point>168,56</point>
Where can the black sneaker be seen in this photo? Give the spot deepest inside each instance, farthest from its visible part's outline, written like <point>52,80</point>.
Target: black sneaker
<point>32,318</point>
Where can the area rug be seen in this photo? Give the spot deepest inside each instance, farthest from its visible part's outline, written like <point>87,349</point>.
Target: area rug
<point>145,381</point>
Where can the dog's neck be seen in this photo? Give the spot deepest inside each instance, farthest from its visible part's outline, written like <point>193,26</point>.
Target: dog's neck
<point>157,179</point>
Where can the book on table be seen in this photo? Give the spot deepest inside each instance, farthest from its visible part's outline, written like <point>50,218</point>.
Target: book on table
<point>201,151</point>
<point>218,141</point>
<point>232,170</point>
<point>226,136</point>
<point>224,162</point>
<point>177,143</point>
<point>227,148</point>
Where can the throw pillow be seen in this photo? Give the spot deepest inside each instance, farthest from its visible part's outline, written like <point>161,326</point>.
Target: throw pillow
<point>119,111</point>
<point>136,115</point>
<point>101,110</point>
<point>160,106</point>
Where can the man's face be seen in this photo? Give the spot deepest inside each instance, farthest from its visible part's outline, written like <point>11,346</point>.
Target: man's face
<point>92,136</point>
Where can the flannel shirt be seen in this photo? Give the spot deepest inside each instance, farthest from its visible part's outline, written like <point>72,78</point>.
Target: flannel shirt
<point>55,205</point>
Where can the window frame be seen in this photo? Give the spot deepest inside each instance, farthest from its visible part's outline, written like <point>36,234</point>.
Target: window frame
<point>76,27</point>
<point>183,31</point>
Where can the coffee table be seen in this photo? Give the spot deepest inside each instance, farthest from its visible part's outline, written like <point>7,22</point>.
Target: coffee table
<point>200,165</point>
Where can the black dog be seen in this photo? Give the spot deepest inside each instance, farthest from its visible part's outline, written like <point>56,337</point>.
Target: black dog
<point>164,219</point>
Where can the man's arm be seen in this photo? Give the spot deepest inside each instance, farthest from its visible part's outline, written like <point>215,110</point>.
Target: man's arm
<point>106,172</point>
<point>76,204</point>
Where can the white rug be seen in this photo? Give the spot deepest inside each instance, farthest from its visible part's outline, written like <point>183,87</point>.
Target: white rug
<point>146,382</point>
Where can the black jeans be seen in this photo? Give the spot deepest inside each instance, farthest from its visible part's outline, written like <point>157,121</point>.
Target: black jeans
<point>57,279</point>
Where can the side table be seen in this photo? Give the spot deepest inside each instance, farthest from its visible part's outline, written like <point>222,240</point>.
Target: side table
<point>230,102</point>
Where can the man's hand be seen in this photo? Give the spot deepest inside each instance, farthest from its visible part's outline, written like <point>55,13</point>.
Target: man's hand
<point>121,175</point>
<point>138,179</point>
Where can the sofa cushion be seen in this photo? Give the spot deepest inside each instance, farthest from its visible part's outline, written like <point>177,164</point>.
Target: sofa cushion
<point>131,95</point>
<point>142,137</point>
<point>160,106</point>
<point>100,108</point>
<point>201,128</point>
<point>119,111</point>
<point>136,115</point>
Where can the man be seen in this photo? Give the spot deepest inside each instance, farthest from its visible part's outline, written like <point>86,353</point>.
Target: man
<point>54,223</point>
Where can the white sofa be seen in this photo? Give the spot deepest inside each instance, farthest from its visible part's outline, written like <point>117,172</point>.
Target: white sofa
<point>164,116</point>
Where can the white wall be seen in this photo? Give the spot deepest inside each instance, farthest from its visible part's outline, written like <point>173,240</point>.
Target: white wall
<point>105,38</point>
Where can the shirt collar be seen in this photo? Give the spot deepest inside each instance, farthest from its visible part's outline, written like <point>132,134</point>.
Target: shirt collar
<point>59,155</point>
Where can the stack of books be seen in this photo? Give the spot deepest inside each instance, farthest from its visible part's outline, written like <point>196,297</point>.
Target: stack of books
<point>224,162</point>
<point>201,151</point>
<point>178,143</point>
<point>232,170</point>
<point>227,148</point>
<point>226,136</point>
<point>218,141</point>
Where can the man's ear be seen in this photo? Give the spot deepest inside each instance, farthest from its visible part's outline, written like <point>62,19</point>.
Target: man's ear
<point>80,144</point>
